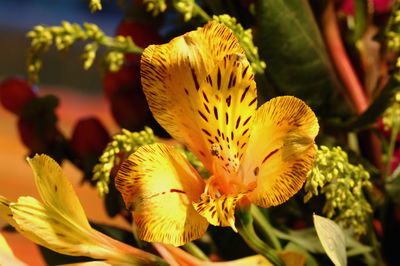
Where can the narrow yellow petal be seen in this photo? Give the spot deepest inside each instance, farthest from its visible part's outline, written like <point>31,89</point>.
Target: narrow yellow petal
<point>258,260</point>
<point>172,75</point>
<point>4,246</point>
<point>280,150</point>
<point>54,231</point>
<point>90,263</point>
<point>50,225</point>
<point>159,185</point>
<point>292,258</point>
<point>219,211</point>
<point>56,191</point>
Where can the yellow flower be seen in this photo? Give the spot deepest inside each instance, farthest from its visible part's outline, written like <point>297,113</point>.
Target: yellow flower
<point>60,224</point>
<point>201,89</point>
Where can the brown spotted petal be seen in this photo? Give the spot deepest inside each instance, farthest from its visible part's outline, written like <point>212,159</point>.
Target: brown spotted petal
<point>172,75</point>
<point>159,185</point>
<point>219,211</point>
<point>280,151</point>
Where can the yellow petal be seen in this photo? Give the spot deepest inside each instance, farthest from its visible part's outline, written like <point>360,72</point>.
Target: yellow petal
<point>54,231</point>
<point>228,100</point>
<point>56,191</point>
<point>4,247</point>
<point>280,150</point>
<point>219,211</point>
<point>172,75</point>
<point>6,255</point>
<point>7,215</point>
<point>292,258</point>
<point>258,260</point>
<point>90,263</point>
<point>50,225</point>
<point>159,185</point>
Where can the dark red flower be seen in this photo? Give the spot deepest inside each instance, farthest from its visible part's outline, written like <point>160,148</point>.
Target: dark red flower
<point>15,93</point>
<point>380,6</point>
<point>126,78</point>
<point>89,138</point>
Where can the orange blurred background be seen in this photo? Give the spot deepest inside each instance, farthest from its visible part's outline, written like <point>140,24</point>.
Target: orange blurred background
<point>16,178</point>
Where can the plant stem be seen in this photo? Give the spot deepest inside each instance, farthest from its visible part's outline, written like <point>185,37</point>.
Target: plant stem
<point>195,251</point>
<point>199,11</point>
<point>341,60</point>
<point>265,227</point>
<point>392,144</point>
<point>244,225</point>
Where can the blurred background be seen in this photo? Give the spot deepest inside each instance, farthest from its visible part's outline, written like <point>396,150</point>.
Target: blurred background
<point>80,94</point>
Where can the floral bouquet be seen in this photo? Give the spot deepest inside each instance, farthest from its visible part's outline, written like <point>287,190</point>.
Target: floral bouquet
<point>252,133</point>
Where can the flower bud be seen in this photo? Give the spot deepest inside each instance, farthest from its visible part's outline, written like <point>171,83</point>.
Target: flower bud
<point>89,138</point>
<point>15,94</point>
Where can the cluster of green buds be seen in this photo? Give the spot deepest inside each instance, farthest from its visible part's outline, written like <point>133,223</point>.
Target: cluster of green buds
<point>121,145</point>
<point>185,7</point>
<point>393,35</point>
<point>342,184</point>
<point>64,36</point>
<point>95,5</point>
<point>245,38</point>
<point>155,6</point>
<point>391,115</point>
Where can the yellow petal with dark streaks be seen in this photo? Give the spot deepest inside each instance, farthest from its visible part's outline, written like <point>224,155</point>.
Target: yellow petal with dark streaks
<point>219,211</point>
<point>54,231</point>
<point>228,104</point>
<point>159,185</point>
<point>55,189</point>
<point>280,150</point>
<point>172,74</point>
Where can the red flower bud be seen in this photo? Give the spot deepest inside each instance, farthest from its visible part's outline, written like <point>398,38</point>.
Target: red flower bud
<point>41,140</point>
<point>129,108</point>
<point>126,78</point>
<point>89,138</point>
<point>15,94</point>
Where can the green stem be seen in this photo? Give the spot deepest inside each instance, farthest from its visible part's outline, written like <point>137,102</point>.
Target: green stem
<point>199,11</point>
<point>265,227</point>
<point>195,251</point>
<point>110,42</point>
<point>392,144</point>
<point>244,225</point>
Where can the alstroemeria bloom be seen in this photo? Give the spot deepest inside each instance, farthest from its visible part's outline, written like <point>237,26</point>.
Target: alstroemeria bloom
<point>201,89</point>
<point>60,224</point>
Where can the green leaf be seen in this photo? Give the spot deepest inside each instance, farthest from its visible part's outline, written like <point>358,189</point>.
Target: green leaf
<point>305,238</point>
<point>290,43</point>
<point>360,18</point>
<point>376,109</point>
<point>332,239</point>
